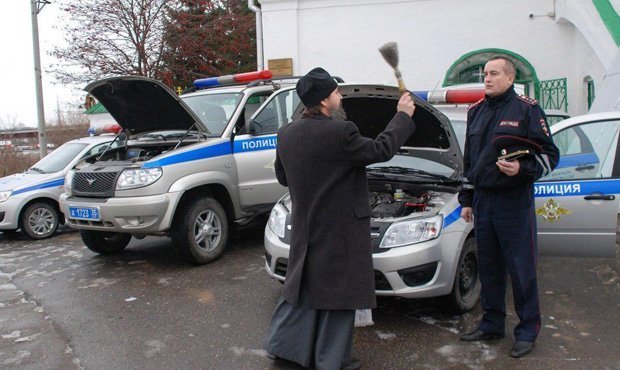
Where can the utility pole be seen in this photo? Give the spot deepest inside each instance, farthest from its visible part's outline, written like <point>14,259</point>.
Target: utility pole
<point>36,6</point>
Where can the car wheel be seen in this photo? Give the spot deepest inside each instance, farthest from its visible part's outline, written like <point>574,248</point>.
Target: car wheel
<point>200,232</point>
<point>105,242</point>
<point>39,220</point>
<point>466,287</point>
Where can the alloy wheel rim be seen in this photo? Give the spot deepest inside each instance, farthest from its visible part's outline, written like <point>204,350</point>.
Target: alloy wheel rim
<point>41,221</point>
<point>207,230</point>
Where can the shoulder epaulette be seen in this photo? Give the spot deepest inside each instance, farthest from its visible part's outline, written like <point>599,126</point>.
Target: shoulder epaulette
<point>527,99</point>
<point>476,103</point>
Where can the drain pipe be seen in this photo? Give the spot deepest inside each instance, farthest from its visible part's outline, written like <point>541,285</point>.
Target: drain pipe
<point>259,34</point>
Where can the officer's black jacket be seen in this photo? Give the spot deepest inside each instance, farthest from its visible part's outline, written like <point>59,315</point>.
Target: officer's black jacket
<point>507,114</point>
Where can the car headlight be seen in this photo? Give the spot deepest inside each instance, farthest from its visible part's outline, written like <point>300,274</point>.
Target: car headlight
<point>132,178</point>
<point>277,220</point>
<point>412,231</point>
<point>69,182</point>
<point>4,195</point>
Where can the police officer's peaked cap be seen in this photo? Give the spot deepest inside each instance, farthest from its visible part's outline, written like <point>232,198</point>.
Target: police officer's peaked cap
<point>509,144</point>
<point>315,86</point>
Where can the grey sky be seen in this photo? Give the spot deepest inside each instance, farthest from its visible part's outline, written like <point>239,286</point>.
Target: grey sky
<point>17,94</point>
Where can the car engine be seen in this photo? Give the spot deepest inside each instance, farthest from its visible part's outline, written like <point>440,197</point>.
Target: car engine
<point>398,203</point>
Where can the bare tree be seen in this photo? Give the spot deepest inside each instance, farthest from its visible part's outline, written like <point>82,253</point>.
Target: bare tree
<point>110,37</point>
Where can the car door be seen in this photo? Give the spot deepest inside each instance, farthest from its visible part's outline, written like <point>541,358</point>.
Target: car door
<point>255,152</point>
<point>577,204</point>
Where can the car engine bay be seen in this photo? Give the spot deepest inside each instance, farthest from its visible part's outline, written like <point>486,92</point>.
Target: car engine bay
<point>400,200</point>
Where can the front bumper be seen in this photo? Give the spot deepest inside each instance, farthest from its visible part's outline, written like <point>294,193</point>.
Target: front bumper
<point>136,215</point>
<point>420,270</point>
<point>9,213</point>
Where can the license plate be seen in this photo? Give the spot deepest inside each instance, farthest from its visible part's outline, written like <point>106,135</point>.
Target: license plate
<point>84,213</point>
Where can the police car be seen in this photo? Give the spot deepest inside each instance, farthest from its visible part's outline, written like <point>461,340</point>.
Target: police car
<point>187,167</point>
<point>421,246</point>
<point>29,200</point>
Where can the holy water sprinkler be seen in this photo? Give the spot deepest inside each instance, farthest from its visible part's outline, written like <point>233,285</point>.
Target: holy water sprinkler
<point>390,54</point>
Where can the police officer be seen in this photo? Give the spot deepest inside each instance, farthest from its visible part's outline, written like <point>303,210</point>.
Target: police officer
<point>501,198</point>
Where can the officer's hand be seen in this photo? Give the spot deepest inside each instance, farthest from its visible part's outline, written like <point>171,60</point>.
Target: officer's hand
<point>509,168</point>
<point>405,104</point>
<point>467,213</point>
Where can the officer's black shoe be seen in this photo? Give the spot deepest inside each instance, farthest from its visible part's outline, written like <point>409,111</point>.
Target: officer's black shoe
<point>478,334</point>
<point>521,348</point>
<point>352,365</point>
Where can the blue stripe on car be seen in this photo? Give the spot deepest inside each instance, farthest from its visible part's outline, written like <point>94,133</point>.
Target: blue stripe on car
<point>574,188</point>
<point>452,217</point>
<point>49,184</point>
<point>574,160</point>
<point>217,150</point>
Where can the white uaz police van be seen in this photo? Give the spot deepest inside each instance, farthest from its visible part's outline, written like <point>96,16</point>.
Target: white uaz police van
<point>184,167</point>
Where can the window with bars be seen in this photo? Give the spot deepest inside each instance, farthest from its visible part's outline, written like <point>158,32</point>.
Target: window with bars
<point>551,94</point>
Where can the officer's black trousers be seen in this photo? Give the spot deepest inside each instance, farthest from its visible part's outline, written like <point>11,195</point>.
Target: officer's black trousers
<point>505,226</point>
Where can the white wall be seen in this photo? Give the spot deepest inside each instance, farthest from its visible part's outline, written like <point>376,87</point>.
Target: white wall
<point>343,37</point>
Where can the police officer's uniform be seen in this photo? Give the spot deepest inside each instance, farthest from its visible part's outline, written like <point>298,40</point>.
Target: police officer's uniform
<point>503,206</point>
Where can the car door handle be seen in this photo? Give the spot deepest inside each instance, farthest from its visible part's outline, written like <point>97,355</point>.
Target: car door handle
<point>600,197</point>
<point>584,168</point>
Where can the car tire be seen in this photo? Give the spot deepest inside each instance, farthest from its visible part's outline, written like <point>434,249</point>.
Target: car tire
<point>39,220</point>
<point>200,231</point>
<point>466,287</point>
<point>105,242</point>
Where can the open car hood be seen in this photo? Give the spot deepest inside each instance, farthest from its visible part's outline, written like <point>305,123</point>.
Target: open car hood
<point>371,107</point>
<point>141,104</point>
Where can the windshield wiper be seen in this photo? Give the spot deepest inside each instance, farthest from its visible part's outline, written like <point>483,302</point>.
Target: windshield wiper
<point>37,170</point>
<point>407,171</point>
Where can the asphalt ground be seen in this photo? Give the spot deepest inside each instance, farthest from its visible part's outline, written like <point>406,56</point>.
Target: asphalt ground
<point>64,307</point>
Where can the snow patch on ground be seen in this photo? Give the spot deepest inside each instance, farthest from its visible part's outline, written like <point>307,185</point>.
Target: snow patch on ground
<point>385,336</point>
<point>154,347</point>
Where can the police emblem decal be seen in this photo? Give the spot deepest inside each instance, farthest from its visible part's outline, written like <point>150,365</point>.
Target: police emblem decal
<point>551,211</point>
<point>543,125</point>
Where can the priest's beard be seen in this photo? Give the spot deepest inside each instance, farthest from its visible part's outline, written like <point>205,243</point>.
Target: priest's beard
<point>338,113</point>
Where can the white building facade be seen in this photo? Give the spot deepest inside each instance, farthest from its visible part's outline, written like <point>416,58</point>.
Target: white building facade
<point>563,49</point>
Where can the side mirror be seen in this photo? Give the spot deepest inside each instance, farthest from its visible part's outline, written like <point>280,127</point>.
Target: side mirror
<point>251,126</point>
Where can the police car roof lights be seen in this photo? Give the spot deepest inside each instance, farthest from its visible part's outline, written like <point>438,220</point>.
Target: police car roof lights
<point>238,78</point>
<point>469,96</point>
<point>110,128</point>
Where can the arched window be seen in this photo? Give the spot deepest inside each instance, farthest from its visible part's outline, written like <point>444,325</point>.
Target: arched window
<point>469,68</point>
<point>589,82</point>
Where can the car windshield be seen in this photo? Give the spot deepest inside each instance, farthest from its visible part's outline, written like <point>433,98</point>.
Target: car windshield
<point>414,163</point>
<point>59,158</point>
<point>460,127</point>
<point>214,110</point>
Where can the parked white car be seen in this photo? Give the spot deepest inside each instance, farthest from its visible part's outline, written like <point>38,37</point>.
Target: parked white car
<point>29,200</point>
<point>421,246</point>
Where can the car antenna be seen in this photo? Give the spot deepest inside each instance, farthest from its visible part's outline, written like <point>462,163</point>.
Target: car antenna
<point>433,91</point>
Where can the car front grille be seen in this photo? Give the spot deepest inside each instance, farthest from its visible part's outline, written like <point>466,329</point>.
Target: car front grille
<point>94,184</point>
<point>281,265</point>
